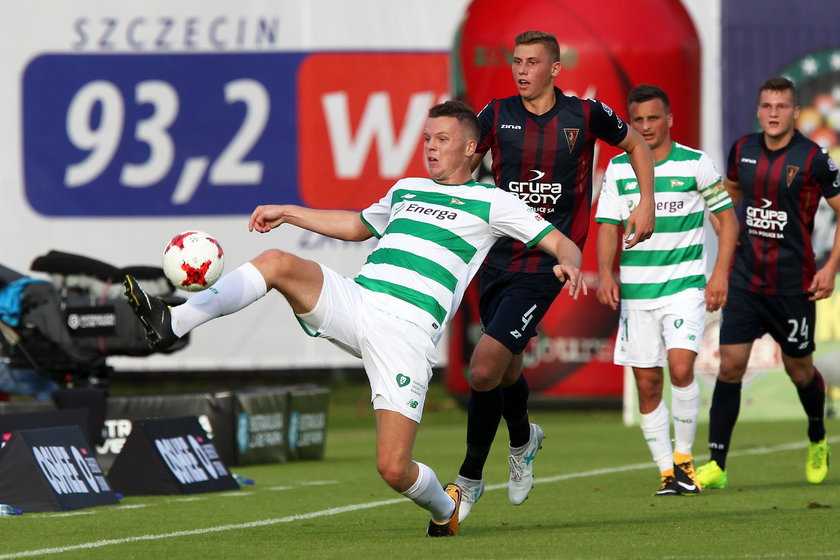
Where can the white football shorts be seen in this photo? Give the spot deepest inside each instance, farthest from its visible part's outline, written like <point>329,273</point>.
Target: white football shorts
<point>397,355</point>
<point>645,335</point>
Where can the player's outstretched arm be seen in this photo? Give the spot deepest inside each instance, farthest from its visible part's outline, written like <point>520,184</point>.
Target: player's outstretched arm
<point>338,224</point>
<point>718,286</point>
<point>642,219</point>
<point>568,261</point>
<point>823,284</point>
<point>608,290</point>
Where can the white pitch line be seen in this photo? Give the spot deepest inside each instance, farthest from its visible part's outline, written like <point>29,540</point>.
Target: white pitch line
<point>651,465</point>
<point>69,514</point>
<point>370,505</point>
<point>217,529</point>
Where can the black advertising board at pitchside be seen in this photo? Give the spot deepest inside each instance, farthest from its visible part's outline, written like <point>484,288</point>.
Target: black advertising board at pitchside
<point>169,456</point>
<point>214,411</point>
<point>52,469</point>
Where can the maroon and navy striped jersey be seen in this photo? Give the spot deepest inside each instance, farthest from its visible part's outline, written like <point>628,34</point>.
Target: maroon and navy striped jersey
<point>780,193</point>
<point>546,160</point>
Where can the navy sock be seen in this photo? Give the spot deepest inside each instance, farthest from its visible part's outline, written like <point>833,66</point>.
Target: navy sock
<point>726,404</point>
<point>515,412</point>
<point>812,398</point>
<point>484,412</point>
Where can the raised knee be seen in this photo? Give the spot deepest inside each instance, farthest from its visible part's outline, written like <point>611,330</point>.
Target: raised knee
<point>273,257</point>
<point>275,262</point>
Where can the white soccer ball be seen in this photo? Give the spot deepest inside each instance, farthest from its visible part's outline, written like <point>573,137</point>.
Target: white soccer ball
<point>193,261</point>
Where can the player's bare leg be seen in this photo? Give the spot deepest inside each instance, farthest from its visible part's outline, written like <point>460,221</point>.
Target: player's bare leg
<point>395,437</point>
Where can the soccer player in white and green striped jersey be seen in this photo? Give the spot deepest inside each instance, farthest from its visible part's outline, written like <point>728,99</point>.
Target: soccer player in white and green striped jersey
<point>663,292</point>
<point>433,234</point>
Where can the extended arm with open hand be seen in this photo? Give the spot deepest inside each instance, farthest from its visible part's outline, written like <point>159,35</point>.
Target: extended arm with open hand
<point>338,224</point>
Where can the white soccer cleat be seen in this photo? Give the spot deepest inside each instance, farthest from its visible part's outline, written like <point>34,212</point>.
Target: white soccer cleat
<point>471,492</point>
<point>522,467</point>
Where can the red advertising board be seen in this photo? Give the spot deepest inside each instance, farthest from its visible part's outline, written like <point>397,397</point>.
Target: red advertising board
<point>360,123</point>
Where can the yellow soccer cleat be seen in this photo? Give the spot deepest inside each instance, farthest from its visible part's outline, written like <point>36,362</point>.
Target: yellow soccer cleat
<point>711,475</point>
<point>817,465</point>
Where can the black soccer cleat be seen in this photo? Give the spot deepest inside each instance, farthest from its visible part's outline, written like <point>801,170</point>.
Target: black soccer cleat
<point>687,483</point>
<point>668,486</point>
<point>153,313</point>
<point>450,527</point>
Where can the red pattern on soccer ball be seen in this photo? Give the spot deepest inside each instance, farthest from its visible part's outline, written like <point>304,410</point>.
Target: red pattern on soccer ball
<point>189,265</point>
<point>218,246</point>
<point>196,275</point>
<point>178,241</point>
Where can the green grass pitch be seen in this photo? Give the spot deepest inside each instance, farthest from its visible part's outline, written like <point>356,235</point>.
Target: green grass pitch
<point>592,500</point>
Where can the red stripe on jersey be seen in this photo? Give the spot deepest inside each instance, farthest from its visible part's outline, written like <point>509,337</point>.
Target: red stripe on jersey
<point>520,260</point>
<point>546,143</point>
<point>495,168</point>
<point>772,245</point>
<point>583,196</point>
<point>759,243</point>
<point>530,148</point>
<point>809,198</point>
<point>732,172</point>
<point>517,254</point>
<point>549,146</point>
<point>495,153</point>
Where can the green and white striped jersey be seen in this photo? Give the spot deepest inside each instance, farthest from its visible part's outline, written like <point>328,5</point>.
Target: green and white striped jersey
<point>672,260</point>
<point>432,239</point>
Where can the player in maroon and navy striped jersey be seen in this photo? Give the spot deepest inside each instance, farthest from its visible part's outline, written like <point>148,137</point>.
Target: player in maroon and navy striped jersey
<point>776,177</point>
<point>542,145</point>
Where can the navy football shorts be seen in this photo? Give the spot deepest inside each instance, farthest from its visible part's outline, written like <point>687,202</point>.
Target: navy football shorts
<point>511,304</point>
<point>790,320</point>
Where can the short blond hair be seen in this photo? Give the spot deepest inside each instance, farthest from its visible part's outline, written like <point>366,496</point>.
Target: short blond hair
<point>548,40</point>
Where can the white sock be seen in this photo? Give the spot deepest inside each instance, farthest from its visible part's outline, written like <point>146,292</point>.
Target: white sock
<point>427,493</point>
<point>232,292</point>
<point>685,408</point>
<point>656,428</point>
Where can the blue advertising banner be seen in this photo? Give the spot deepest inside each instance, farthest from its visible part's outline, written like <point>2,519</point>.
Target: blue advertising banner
<point>197,134</point>
<point>766,38</point>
